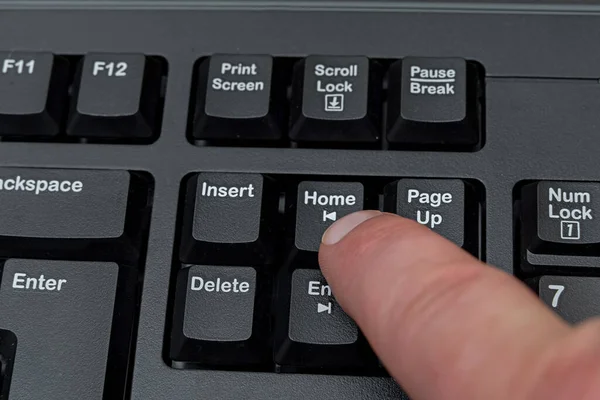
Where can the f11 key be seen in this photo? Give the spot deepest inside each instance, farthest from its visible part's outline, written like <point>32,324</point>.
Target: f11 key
<point>33,93</point>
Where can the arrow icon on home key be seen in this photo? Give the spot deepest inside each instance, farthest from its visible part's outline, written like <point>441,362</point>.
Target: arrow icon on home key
<point>321,308</point>
<point>331,216</point>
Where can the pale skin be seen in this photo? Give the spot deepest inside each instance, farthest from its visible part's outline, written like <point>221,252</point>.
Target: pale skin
<point>449,327</point>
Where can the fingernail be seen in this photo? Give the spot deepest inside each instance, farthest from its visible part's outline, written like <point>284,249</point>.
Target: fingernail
<point>344,226</point>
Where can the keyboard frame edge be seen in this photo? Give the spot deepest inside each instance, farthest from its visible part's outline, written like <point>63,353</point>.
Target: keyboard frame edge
<point>183,36</point>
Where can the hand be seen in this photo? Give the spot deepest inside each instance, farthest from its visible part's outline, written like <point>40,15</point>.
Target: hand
<point>449,327</point>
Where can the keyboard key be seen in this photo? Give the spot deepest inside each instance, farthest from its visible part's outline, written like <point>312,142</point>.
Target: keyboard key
<point>220,303</point>
<point>433,102</point>
<point>313,331</point>
<point>565,212</point>
<point>33,93</point>
<point>215,319</point>
<point>558,226</point>
<point>442,205</point>
<point>116,96</point>
<point>55,212</point>
<point>61,313</point>
<point>573,298</point>
<point>315,316</point>
<point>319,205</point>
<point>336,99</point>
<point>229,218</point>
<point>238,97</point>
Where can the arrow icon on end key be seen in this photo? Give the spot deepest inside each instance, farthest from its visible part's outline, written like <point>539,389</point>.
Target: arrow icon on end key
<point>331,216</point>
<point>321,308</point>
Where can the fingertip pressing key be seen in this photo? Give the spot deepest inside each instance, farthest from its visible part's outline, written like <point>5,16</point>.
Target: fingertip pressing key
<point>341,228</point>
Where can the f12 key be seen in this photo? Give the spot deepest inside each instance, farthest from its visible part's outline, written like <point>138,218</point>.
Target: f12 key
<point>116,96</point>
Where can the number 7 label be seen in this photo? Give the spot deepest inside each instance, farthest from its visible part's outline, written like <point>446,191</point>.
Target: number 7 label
<point>559,291</point>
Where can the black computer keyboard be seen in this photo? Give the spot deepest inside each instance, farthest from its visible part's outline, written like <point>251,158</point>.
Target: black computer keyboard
<point>167,171</point>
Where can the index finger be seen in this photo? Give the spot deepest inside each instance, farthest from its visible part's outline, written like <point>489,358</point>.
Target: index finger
<point>446,325</point>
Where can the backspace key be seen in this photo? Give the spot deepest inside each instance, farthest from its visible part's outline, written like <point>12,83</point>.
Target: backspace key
<point>80,214</point>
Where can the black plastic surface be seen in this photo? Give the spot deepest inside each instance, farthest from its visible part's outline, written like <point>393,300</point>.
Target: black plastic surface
<point>536,129</point>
